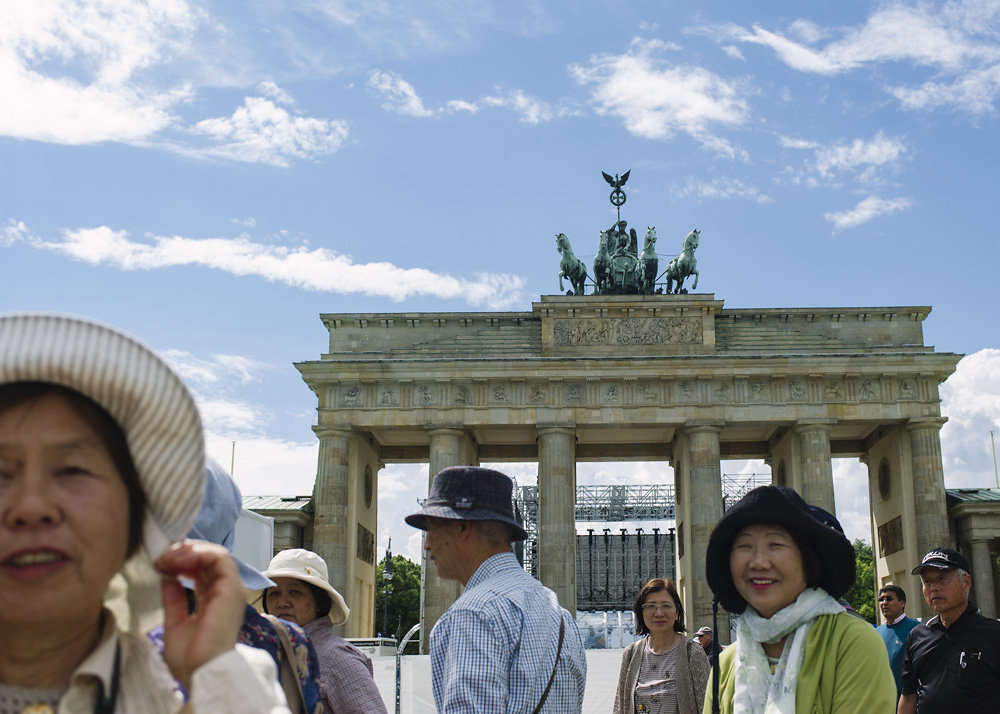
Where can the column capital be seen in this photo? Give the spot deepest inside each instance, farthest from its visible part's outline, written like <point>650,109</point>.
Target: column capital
<point>545,429</point>
<point>814,425</point>
<point>455,429</point>
<point>696,427</point>
<point>926,423</point>
<point>332,432</point>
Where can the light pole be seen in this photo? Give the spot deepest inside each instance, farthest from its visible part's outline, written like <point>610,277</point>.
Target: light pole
<point>387,579</point>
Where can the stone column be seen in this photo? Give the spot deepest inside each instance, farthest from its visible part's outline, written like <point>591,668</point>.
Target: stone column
<point>930,508</point>
<point>704,498</point>
<point>330,499</point>
<point>982,577</point>
<point>437,594</point>
<point>557,512</point>
<point>817,469</point>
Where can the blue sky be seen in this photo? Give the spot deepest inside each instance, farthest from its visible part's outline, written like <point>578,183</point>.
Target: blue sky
<point>211,176</point>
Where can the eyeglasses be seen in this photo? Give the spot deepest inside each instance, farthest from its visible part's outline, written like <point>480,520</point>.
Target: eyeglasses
<point>651,606</point>
<point>886,598</point>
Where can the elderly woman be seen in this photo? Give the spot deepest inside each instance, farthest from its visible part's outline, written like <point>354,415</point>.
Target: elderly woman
<point>303,595</point>
<point>771,560</point>
<point>664,671</point>
<point>101,454</point>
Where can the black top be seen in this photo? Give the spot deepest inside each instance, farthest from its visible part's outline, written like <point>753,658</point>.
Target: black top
<point>954,669</point>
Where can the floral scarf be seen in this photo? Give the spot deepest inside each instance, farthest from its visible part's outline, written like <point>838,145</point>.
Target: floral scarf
<point>757,690</point>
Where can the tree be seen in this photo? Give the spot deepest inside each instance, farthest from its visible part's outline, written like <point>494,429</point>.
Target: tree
<point>404,599</point>
<point>862,593</point>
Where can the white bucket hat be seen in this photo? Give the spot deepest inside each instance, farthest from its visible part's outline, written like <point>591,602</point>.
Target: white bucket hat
<point>150,403</point>
<point>308,567</point>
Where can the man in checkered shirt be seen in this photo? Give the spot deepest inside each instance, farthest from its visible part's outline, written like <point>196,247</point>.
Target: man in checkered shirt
<point>505,645</point>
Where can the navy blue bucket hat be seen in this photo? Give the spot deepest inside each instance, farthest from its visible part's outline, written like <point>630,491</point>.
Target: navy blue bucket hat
<point>470,493</point>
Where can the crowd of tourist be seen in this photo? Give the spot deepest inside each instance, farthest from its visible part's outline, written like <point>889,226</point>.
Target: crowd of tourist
<point>103,479</point>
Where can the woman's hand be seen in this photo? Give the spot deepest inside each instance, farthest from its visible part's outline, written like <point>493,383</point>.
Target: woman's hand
<point>191,641</point>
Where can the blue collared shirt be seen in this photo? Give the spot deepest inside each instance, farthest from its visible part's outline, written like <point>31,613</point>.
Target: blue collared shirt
<point>494,648</point>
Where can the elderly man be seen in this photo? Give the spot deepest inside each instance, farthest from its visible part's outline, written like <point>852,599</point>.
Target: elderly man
<point>895,629</point>
<point>505,645</point>
<point>706,639</point>
<point>952,661</point>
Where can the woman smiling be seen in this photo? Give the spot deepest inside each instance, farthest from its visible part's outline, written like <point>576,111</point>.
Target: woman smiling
<point>774,563</point>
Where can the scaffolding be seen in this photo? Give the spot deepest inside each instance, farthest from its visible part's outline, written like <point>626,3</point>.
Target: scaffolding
<point>617,503</point>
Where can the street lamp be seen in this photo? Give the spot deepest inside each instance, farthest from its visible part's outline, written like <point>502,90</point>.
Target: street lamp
<point>387,578</point>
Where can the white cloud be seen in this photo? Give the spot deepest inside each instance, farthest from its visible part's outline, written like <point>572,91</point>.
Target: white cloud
<point>881,150</point>
<point>71,72</point>
<point>262,131</point>
<point>219,369</point>
<point>955,40</point>
<point>268,88</point>
<point>973,91</point>
<point>319,269</point>
<point>971,401</point>
<point>90,71</point>
<point>460,105</point>
<point>401,97</point>
<point>245,222</point>
<point>867,209</point>
<point>15,232</point>
<point>266,466</point>
<point>734,52</point>
<point>850,493</point>
<point>722,188</point>
<point>790,142</point>
<point>531,110</point>
<point>657,99</point>
<point>398,95</point>
<point>228,416</point>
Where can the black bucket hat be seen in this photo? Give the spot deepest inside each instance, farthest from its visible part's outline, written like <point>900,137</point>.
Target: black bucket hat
<point>470,493</point>
<point>782,506</point>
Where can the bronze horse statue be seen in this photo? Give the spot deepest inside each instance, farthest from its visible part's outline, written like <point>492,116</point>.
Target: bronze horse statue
<point>683,266</point>
<point>602,261</point>
<point>570,267</point>
<point>648,263</point>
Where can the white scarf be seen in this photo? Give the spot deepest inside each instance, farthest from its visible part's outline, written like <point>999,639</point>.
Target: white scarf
<point>757,690</point>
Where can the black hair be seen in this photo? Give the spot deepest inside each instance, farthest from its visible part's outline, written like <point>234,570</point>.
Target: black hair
<point>894,589</point>
<point>811,565</point>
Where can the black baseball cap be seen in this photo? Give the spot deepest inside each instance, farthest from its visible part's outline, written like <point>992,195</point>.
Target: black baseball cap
<point>942,559</point>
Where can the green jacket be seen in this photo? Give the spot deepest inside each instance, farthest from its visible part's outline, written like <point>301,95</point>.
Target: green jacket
<point>845,671</point>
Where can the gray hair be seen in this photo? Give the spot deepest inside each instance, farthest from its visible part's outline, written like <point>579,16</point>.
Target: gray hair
<point>494,533</point>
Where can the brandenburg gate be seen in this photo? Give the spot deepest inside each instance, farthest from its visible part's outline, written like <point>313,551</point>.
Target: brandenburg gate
<point>674,378</point>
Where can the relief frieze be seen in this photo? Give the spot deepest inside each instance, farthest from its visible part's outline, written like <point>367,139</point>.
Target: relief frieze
<point>628,331</point>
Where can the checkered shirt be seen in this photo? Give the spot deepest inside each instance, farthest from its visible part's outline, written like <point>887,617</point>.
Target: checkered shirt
<point>493,650</point>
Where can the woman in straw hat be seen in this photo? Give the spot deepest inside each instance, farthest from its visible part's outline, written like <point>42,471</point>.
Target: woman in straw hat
<point>303,594</point>
<point>773,562</point>
<point>101,455</point>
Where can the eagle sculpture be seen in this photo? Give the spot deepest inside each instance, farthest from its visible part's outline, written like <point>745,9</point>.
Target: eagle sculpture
<point>614,181</point>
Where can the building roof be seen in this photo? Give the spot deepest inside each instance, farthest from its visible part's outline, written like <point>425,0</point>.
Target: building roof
<point>972,495</point>
<point>278,503</point>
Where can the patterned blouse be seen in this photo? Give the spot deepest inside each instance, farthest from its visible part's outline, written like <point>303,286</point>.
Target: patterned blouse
<point>656,689</point>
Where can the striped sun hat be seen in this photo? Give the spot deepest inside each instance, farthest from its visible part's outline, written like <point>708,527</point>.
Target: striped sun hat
<point>142,394</point>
